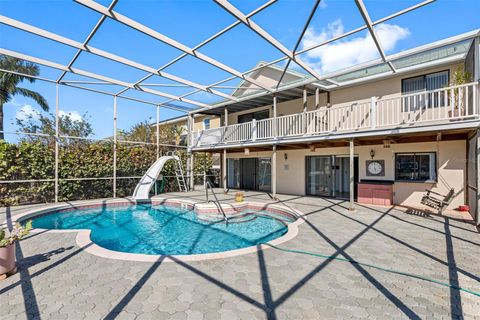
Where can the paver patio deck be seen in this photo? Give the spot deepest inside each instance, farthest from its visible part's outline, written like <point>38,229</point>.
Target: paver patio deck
<point>58,280</point>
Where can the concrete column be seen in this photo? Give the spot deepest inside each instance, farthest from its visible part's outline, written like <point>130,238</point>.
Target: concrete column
<point>352,176</point>
<point>274,172</point>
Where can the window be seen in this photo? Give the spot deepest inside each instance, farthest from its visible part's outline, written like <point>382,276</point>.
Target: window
<point>259,115</point>
<point>417,85</point>
<point>417,167</point>
<point>206,123</point>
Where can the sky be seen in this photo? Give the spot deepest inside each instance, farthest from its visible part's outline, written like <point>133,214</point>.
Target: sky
<point>192,21</point>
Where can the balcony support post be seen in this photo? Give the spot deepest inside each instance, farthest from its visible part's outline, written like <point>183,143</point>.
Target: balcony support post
<point>274,172</point>
<point>317,98</point>
<point>373,112</point>
<point>304,115</point>
<point>275,122</point>
<point>352,176</point>
<point>225,124</point>
<point>224,171</point>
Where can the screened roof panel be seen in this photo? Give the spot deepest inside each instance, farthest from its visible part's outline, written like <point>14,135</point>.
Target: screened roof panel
<point>166,85</point>
<point>196,70</point>
<point>78,80</point>
<point>331,19</point>
<point>205,97</point>
<point>247,6</point>
<point>377,12</point>
<point>35,46</point>
<point>126,42</point>
<point>145,96</point>
<point>152,34</point>
<point>352,50</point>
<point>105,67</point>
<point>189,24</point>
<point>293,16</point>
<point>68,19</point>
<point>241,57</point>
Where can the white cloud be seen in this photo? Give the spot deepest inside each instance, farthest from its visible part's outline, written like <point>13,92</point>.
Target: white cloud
<point>344,53</point>
<point>323,4</point>
<point>27,112</point>
<point>74,115</point>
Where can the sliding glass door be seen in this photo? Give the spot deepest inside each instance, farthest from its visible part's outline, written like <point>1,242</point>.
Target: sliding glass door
<point>319,176</point>
<point>249,174</point>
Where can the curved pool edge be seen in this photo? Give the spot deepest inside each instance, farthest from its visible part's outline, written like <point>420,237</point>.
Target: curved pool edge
<point>84,242</point>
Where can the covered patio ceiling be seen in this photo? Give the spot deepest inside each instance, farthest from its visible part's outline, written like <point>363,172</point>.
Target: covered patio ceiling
<point>153,84</point>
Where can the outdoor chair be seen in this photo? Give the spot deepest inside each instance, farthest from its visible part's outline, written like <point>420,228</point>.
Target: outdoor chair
<point>436,200</point>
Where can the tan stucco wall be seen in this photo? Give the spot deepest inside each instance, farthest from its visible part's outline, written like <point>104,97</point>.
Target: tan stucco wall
<point>451,168</point>
<point>198,122</point>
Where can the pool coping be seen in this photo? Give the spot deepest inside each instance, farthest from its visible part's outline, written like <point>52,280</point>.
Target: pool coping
<point>83,235</point>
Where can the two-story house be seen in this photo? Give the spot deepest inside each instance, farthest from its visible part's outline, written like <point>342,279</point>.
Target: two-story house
<point>380,133</point>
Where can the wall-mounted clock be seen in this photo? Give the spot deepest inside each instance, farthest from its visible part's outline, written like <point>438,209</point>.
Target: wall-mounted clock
<point>375,168</point>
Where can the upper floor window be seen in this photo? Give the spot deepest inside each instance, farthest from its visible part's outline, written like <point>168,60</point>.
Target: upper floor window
<point>416,88</point>
<point>259,115</point>
<point>206,123</point>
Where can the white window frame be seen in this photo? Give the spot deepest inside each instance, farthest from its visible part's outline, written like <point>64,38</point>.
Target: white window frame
<point>432,166</point>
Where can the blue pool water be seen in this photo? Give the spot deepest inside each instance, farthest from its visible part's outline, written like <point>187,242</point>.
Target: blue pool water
<point>167,230</point>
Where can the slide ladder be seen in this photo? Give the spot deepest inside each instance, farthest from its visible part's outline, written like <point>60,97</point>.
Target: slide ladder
<point>142,190</point>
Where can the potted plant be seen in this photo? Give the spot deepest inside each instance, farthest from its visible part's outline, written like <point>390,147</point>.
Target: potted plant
<point>239,196</point>
<point>7,247</point>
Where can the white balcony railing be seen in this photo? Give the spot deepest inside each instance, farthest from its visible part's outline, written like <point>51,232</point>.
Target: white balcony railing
<point>452,104</point>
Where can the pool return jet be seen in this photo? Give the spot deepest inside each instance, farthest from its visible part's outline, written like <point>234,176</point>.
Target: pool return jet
<point>142,190</point>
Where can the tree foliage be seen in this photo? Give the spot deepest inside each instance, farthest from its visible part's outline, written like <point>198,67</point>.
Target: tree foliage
<point>9,83</point>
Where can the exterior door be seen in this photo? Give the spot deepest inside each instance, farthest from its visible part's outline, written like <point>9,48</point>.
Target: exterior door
<point>320,179</point>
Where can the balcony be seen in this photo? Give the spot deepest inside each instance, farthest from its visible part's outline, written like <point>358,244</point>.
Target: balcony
<point>453,105</point>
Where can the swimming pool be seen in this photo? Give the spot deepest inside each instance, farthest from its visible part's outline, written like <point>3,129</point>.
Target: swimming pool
<point>167,230</point>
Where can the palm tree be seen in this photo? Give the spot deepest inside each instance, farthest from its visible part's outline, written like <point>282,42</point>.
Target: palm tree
<point>9,83</point>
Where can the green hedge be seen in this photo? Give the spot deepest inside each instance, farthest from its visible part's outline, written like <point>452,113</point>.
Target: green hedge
<point>35,159</point>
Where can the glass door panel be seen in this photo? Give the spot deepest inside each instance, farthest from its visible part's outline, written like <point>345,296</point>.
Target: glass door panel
<point>264,174</point>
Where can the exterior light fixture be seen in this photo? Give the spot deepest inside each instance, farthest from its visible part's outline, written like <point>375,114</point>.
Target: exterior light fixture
<point>312,148</point>
<point>247,151</point>
<point>285,156</point>
<point>372,153</point>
